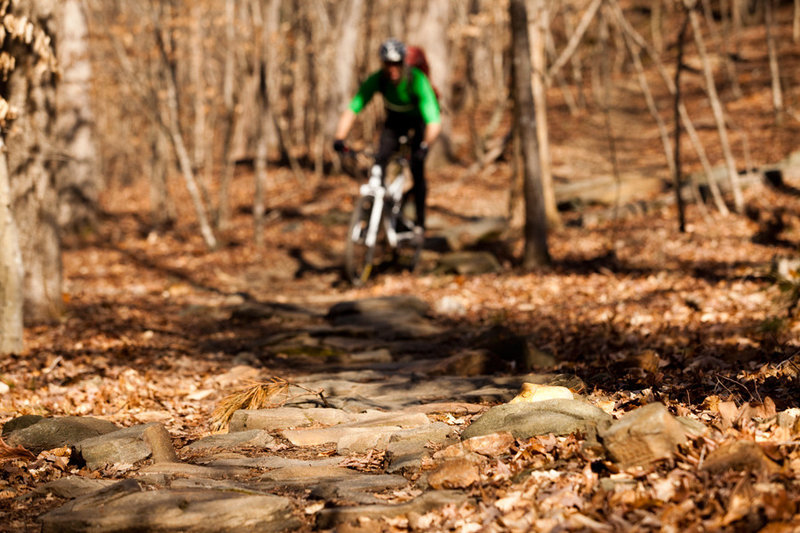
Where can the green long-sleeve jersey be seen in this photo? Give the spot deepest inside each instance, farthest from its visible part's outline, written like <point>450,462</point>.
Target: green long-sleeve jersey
<point>413,94</point>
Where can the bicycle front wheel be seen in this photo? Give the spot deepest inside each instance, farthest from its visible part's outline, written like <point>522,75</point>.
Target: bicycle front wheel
<point>359,257</point>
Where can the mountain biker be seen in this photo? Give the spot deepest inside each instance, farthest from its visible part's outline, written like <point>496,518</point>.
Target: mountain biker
<point>412,109</point>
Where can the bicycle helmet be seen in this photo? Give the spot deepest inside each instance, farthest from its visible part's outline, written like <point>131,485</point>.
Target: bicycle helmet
<point>393,51</point>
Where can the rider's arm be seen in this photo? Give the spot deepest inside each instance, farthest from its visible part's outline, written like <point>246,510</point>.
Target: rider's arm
<point>432,132</point>
<point>428,107</point>
<point>361,99</point>
<point>346,122</point>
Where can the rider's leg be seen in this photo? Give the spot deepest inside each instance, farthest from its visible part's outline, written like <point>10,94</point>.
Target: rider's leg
<point>420,188</point>
<point>389,141</point>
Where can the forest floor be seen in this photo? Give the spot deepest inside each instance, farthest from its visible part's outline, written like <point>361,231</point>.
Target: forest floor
<point>637,310</point>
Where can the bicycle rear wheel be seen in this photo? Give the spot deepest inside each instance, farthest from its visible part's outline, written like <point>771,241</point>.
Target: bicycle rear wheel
<point>359,258</point>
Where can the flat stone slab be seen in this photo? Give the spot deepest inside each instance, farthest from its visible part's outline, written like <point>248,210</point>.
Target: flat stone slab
<point>38,434</point>
<point>126,506</point>
<point>388,317</point>
<point>162,472</point>
<point>358,489</point>
<point>330,518</point>
<point>332,483</point>
<point>406,449</point>
<point>376,426</point>
<point>257,438</point>
<point>525,420</point>
<point>73,487</point>
<point>266,462</point>
<point>286,417</point>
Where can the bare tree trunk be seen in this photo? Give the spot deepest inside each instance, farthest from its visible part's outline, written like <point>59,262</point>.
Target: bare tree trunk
<point>31,160</point>
<point>657,24</point>
<point>774,69</point>
<point>162,211</point>
<point>576,38</point>
<point>173,127</point>
<point>796,22</point>
<point>684,114</point>
<point>265,24</point>
<point>719,116</point>
<point>428,28</point>
<point>228,118</point>
<point>536,251</point>
<point>575,60</point>
<point>730,67</point>
<point>12,272</point>
<point>196,66</point>
<point>540,19</point>
<point>77,177</point>
<point>736,22</point>
<point>677,164</point>
<point>344,64</point>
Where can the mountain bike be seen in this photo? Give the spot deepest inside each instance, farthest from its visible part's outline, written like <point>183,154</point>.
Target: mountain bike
<point>380,232</point>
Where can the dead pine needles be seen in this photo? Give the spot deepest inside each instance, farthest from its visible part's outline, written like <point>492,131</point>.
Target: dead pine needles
<point>259,395</point>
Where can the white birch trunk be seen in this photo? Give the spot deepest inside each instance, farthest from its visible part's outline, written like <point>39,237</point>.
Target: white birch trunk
<point>774,67</point>
<point>11,270</point>
<point>539,17</point>
<point>78,181</point>
<point>719,115</point>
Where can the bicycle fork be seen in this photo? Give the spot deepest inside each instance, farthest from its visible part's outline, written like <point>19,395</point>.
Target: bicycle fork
<point>374,217</point>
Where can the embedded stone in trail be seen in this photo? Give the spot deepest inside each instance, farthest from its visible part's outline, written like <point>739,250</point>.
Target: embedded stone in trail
<point>39,434</point>
<point>73,486</point>
<point>286,417</point>
<point>376,427</point>
<point>468,263</point>
<point>254,437</point>
<point>644,435</point>
<point>529,419</point>
<point>332,482</point>
<point>457,473</point>
<point>126,506</point>
<point>128,446</point>
<point>473,233</point>
<point>387,317</point>
<point>407,449</point>
<point>330,518</point>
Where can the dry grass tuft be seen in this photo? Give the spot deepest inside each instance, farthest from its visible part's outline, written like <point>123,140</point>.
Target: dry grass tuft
<point>259,395</point>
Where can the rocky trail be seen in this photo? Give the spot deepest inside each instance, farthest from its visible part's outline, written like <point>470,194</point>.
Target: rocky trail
<point>388,434</point>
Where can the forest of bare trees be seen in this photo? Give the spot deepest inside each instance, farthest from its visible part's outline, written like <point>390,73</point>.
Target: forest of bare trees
<point>171,91</point>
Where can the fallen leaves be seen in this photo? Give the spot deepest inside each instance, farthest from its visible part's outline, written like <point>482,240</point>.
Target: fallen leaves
<point>10,453</point>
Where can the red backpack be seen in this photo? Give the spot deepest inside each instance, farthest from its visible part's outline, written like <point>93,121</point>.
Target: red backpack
<point>415,57</point>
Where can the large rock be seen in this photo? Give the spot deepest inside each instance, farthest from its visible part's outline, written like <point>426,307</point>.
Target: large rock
<point>333,482</point>
<point>468,263</point>
<point>525,419</point>
<point>330,518</point>
<point>125,506</point>
<point>474,233</point>
<point>387,317</point>
<point>38,434</point>
<point>643,436</point>
<point>127,446</point>
<point>286,418</point>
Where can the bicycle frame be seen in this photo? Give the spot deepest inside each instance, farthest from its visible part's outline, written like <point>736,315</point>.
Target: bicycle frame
<point>379,205</point>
